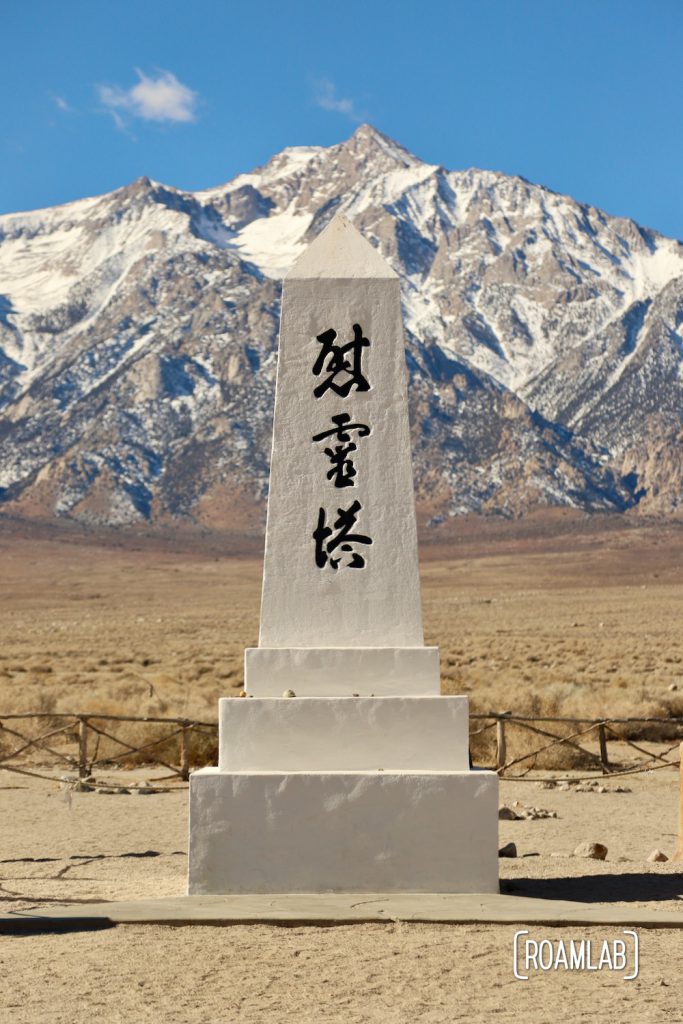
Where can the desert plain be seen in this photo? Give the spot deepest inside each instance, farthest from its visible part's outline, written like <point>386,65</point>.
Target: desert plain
<point>547,616</point>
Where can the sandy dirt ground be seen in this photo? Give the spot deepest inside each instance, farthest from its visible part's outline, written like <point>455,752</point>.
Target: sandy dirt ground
<point>582,623</point>
<point>59,847</point>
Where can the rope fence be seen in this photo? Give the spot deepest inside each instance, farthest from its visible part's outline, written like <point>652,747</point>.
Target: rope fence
<point>84,733</point>
<point>603,730</point>
<point>74,740</point>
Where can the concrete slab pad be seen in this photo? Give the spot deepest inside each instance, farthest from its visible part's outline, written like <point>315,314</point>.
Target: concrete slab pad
<point>335,908</point>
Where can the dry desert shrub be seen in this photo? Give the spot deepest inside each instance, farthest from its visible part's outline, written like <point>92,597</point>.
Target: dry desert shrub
<point>153,742</point>
<point>520,742</point>
<point>14,732</point>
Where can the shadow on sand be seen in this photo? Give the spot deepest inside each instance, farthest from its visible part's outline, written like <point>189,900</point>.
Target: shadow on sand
<point>635,887</point>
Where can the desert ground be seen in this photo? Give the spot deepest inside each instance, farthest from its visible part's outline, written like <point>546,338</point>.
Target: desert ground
<point>572,618</point>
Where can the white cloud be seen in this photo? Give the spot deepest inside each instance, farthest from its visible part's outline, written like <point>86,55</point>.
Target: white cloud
<point>153,98</point>
<point>325,96</point>
<point>61,103</point>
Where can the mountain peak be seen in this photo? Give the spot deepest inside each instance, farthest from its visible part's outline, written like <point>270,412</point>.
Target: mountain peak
<point>368,131</point>
<point>140,187</point>
<point>369,140</point>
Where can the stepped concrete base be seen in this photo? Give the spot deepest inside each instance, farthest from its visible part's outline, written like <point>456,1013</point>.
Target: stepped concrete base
<point>341,671</point>
<point>342,733</point>
<point>317,832</point>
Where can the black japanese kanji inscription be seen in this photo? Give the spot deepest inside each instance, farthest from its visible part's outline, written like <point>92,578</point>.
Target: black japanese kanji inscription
<point>327,542</point>
<point>343,361</point>
<point>343,470</point>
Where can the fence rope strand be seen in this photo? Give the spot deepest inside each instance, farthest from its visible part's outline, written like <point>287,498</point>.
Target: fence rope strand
<point>77,727</point>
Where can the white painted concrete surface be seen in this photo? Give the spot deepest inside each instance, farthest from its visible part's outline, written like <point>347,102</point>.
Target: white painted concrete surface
<point>343,832</point>
<point>343,734</point>
<point>342,671</point>
<point>339,282</point>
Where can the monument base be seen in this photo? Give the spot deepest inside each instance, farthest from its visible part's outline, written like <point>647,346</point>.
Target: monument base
<point>362,831</point>
<point>341,734</point>
<point>341,671</point>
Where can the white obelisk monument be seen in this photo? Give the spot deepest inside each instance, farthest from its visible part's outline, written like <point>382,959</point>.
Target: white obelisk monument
<point>360,781</point>
<point>341,616</point>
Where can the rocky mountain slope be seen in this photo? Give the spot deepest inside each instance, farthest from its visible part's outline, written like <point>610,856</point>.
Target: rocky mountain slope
<point>138,335</point>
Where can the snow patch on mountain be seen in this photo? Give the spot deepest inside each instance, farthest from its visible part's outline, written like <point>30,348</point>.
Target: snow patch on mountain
<point>274,243</point>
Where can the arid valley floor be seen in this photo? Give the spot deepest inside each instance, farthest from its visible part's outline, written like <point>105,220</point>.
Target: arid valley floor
<point>571,618</point>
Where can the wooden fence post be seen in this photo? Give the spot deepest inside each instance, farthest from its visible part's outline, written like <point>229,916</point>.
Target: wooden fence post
<point>82,747</point>
<point>603,748</point>
<point>501,746</point>
<point>185,754</point>
<point>679,852</point>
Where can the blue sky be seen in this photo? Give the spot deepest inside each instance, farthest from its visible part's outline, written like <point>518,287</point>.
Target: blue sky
<point>582,96</point>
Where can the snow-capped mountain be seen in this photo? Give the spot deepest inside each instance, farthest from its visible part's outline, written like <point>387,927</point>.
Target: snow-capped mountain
<point>138,335</point>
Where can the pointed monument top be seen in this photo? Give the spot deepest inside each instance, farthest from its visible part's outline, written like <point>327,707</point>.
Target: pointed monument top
<point>340,251</point>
